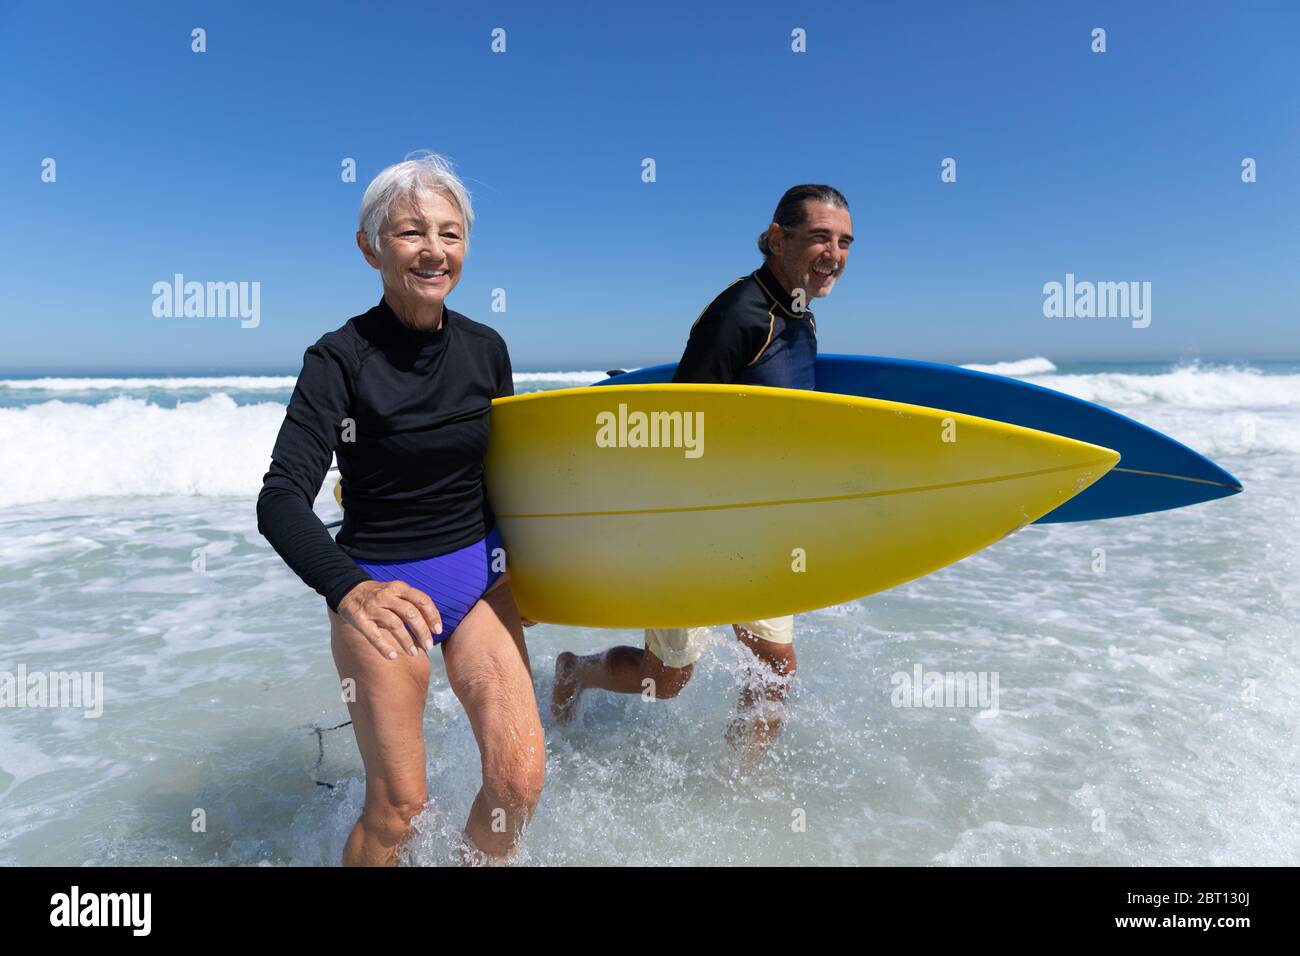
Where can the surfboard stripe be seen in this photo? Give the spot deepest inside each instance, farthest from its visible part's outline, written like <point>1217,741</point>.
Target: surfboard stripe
<point>1162,474</point>
<point>917,489</point>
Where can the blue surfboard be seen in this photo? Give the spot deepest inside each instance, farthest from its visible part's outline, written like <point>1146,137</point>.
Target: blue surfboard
<point>1154,473</point>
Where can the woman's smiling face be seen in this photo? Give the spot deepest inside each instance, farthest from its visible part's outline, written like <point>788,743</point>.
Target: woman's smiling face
<point>421,251</point>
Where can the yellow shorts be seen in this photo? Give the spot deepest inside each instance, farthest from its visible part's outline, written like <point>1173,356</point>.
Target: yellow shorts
<point>682,646</point>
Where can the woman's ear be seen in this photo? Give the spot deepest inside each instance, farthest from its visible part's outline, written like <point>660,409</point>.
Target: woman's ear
<point>363,243</point>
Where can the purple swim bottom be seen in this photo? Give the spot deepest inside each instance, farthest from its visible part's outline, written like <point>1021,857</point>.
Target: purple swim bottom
<point>454,581</point>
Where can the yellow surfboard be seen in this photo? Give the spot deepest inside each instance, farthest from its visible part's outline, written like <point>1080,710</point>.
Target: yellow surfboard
<point>684,505</point>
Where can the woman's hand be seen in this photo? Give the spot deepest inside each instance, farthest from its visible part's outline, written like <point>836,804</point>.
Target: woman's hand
<point>388,613</point>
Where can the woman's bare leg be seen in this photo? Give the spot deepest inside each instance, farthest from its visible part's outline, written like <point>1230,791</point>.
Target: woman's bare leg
<point>386,701</point>
<point>487,665</point>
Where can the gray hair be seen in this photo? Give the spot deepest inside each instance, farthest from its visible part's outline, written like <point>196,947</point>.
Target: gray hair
<point>792,210</point>
<point>422,173</point>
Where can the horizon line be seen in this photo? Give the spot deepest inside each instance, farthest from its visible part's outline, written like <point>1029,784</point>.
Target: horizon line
<point>596,367</point>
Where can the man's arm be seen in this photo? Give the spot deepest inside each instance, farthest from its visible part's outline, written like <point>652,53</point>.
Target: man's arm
<point>718,350</point>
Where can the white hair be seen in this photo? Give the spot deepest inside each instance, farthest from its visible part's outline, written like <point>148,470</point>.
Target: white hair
<point>422,173</point>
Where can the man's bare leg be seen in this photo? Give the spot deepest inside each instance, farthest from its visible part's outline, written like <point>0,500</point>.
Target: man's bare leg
<point>763,697</point>
<point>623,670</point>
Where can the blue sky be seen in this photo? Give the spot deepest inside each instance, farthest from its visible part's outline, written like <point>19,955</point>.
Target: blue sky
<point>225,166</point>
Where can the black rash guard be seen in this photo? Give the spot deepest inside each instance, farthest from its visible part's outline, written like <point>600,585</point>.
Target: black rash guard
<point>407,414</point>
<point>751,335</point>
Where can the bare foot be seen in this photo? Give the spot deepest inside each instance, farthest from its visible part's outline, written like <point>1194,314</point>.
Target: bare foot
<point>565,693</point>
<point>757,722</point>
<point>749,736</point>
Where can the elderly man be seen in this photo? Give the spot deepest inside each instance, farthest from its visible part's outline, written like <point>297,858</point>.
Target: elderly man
<point>758,331</point>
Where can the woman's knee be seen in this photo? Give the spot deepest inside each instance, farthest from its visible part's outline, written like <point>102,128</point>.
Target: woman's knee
<point>514,763</point>
<point>510,734</point>
<point>513,776</point>
<point>390,818</point>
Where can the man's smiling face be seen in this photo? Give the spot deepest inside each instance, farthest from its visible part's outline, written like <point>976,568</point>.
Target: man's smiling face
<point>812,256</point>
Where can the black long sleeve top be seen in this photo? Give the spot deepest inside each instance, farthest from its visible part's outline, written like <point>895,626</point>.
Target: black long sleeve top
<point>752,334</point>
<point>406,412</point>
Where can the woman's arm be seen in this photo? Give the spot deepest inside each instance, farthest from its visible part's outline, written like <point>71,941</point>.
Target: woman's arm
<point>505,374</point>
<point>299,463</point>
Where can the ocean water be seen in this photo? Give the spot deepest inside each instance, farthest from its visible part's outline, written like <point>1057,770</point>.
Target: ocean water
<point>1147,710</point>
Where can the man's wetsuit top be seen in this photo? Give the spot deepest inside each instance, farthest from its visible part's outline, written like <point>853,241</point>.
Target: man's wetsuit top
<point>407,414</point>
<point>751,335</point>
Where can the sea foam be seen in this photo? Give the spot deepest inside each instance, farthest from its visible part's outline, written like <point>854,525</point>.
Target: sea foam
<point>195,444</point>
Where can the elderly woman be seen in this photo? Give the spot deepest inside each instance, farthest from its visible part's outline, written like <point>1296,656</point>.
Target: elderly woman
<point>401,393</point>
